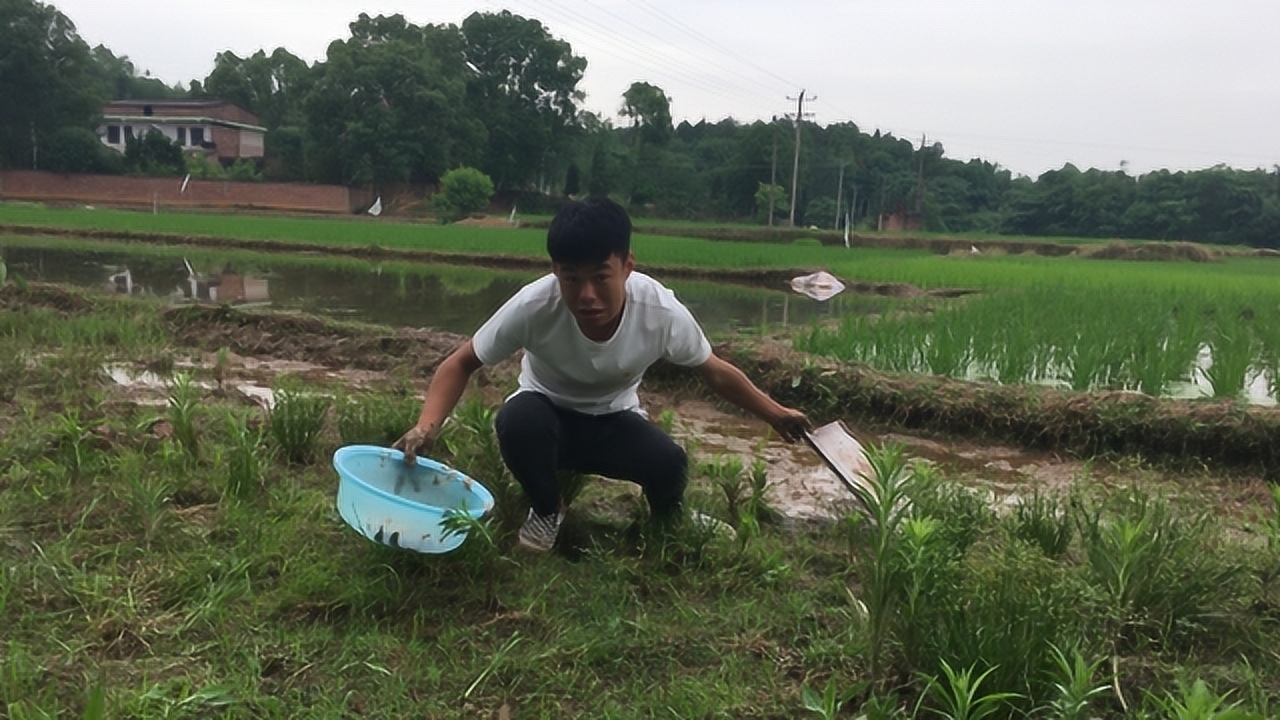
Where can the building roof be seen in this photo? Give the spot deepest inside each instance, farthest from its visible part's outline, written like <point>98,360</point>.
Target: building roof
<point>217,111</point>
<point>180,119</point>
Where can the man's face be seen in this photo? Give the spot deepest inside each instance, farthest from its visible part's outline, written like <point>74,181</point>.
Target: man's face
<point>595,293</point>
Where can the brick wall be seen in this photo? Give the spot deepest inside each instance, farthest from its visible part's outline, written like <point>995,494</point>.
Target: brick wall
<point>227,140</point>
<point>116,190</point>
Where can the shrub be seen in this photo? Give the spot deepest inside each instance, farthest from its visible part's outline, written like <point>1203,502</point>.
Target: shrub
<point>153,154</point>
<point>78,150</point>
<point>463,191</point>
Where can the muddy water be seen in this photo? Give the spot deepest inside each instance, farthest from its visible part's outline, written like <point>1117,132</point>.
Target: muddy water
<point>452,298</point>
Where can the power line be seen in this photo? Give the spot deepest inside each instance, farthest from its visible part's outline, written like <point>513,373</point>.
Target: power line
<point>694,33</point>
<point>609,39</point>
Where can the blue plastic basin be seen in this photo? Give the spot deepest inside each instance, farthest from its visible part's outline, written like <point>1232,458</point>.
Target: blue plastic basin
<point>401,505</point>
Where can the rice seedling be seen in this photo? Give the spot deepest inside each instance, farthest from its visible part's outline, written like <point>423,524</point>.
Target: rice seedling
<point>148,497</point>
<point>1232,352</point>
<point>758,508</point>
<point>947,355</point>
<point>1058,333</point>
<point>145,492</point>
<point>296,421</point>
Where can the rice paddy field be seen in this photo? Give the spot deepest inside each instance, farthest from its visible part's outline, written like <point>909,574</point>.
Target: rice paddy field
<point>1189,329</point>
<point>176,553</point>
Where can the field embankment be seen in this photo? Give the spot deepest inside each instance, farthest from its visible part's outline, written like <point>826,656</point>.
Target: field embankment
<point>1220,433</point>
<point>1223,434</point>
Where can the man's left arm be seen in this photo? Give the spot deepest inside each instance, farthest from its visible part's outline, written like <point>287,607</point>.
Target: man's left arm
<point>730,383</point>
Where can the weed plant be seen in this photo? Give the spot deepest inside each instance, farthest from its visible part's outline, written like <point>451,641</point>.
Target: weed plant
<point>13,371</point>
<point>1158,568</point>
<point>375,418</point>
<point>960,696</point>
<point>184,409</point>
<point>1044,522</point>
<point>296,422</point>
<point>468,440</point>
<point>247,456</point>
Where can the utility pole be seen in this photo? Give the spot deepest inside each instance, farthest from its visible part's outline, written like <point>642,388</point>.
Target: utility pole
<point>839,197</point>
<point>853,205</point>
<point>920,179</point>
<point>795,165</point>
<point>773,174</point>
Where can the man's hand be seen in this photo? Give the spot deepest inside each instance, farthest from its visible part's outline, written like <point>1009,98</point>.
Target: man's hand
<point>418,441</point>
<point>791,425</point>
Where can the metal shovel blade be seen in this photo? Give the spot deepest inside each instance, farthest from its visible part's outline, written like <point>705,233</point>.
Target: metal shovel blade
<point>842,452</point>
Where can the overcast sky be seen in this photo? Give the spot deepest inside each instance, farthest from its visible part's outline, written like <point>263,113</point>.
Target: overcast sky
<point>1027,84</point>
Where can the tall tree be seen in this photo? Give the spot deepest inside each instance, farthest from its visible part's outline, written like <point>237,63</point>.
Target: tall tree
<point>121,80</point>
<point>47,80</point>
<point>523,84</point>
<point>388,105</point>
<point>650,111</point>
<point>269,86</point>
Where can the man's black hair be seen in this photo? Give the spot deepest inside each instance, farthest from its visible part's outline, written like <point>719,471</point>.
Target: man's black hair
<point>589,231</point>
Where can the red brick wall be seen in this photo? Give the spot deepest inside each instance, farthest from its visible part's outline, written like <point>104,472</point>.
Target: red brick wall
<point>227,140</point>
<point>111,190</point>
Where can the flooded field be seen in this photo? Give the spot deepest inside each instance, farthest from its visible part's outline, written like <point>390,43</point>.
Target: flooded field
<point>445,297</point>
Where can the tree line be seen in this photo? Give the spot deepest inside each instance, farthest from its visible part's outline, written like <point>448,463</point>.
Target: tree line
<point>397,102</point>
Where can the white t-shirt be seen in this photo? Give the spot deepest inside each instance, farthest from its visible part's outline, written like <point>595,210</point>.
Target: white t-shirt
<point>581,374</point>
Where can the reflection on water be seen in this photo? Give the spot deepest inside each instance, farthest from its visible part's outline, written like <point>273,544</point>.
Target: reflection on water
<point>226,286</point>
<point>453,298</point>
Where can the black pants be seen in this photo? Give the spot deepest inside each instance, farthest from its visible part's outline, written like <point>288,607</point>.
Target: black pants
<point>537,438</point>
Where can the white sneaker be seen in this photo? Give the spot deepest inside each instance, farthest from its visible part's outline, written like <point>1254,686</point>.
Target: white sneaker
<point>711,525</point>
<point>539,531</point>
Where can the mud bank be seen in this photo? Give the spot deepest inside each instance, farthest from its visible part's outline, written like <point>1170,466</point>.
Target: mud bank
<point>1193,434</point>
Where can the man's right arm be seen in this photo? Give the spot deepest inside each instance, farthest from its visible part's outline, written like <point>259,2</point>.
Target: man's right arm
<point>444,391</point>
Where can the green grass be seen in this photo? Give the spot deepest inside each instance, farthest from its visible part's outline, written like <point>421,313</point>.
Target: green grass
<point>140,580</point>
<point>916,267</point>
